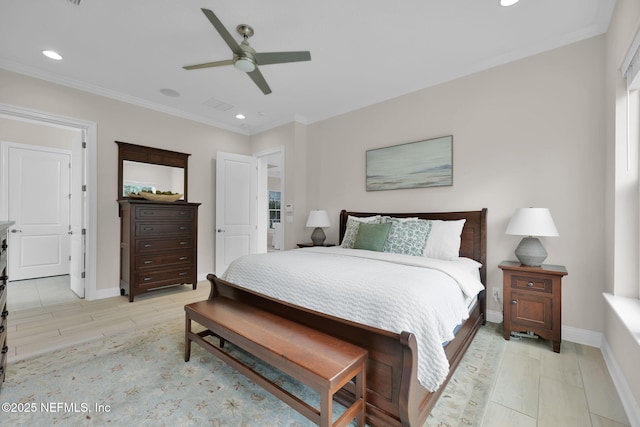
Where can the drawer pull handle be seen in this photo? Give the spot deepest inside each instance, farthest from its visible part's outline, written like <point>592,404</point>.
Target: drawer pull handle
<point>148,262</point>
<point>146,279</point>
<point>182,213</point>
<point>184,273</point>
<point>148,245</point>
<point>530,284</point>
<point>183,243</point>
<point>148,229</point>
<point>147,212</point>
<point>514,302</point>
<point>182,228</point>
<point>182,258</point>
<point>5,314</point>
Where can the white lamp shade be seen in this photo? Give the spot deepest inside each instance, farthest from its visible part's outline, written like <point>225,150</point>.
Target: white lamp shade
<point>318,219</point>
<point>532,222</point>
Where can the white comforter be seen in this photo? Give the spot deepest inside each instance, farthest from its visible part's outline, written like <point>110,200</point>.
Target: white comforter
<point>393,292</point>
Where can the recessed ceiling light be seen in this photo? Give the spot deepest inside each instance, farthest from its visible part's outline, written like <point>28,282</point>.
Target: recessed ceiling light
<point>508,2</point>
<point>170,92</point>
<point>52,54</point>
<point>240,116</point>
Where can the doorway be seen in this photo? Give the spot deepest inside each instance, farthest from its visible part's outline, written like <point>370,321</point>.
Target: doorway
<point>82,274</point>
<point>271,194</point>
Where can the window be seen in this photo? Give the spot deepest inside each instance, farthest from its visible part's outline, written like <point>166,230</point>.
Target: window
<point>274,207</point>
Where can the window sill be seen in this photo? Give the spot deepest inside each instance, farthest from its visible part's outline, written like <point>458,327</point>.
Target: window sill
<point>628,310</point>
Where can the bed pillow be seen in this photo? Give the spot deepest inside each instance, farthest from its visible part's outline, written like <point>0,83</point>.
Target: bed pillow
<point>444,239</point>
<point>407,237</point>
<point>372,236</point>
<point>352,228</point>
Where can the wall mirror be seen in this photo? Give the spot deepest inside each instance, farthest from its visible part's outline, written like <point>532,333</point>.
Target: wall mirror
<point>143,168</point>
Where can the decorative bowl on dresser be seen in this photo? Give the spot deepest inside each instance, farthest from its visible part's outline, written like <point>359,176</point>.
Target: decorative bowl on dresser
<point>4,278</point>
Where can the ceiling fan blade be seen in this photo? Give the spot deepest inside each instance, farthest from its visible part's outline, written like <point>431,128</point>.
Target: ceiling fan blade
<point>267,58</point>
<point>209,64</point>
<point>259,80</point>
<point>226,36</point>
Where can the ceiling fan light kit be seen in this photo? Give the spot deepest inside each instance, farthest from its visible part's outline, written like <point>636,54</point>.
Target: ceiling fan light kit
<point>245,58</point>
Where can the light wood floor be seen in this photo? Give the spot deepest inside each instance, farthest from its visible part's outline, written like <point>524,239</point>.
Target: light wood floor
<point>535,387</point>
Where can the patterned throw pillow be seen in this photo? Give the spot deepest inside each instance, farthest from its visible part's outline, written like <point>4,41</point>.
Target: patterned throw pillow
<point>351,232</point>
<point>408,237</point>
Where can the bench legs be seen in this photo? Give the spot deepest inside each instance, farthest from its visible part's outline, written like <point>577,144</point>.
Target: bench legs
<point>187,340</point>
<point>356,410</point>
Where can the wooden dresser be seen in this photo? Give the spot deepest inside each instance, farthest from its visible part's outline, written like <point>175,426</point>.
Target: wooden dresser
<point>4,278</point>
<point>158,245</point>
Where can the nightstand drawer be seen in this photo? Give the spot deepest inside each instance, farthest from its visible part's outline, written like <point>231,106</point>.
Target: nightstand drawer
<point>531,282</point>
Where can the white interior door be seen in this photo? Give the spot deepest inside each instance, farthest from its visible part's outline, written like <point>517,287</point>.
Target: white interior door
<point>77,217</point>
<point>236,208</point>
<point>39,202</point>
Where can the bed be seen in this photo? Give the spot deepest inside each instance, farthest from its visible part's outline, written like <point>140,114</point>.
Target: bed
<point>397,393</point>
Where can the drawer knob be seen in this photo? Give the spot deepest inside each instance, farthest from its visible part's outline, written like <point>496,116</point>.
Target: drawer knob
<point>530,284</point>
<point>148,228</point>
<point>5,314</point>
<point>148,245</point>
<point>148,262</point>
<point>183,273</point>
<point>183,243</point>
<point>182,227</point>
<point>182,258</point>
<point>514,302</point>
<point>146,279</point>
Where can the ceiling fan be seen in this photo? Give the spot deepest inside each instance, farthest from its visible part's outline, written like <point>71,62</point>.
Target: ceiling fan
<point>245,58</point>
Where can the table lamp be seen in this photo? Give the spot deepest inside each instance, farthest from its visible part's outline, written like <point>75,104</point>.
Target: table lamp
<point>318,219</point>
<point>531,222</point>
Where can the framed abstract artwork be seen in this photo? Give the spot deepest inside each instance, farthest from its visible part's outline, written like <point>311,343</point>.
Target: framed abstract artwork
<point>427,163</point>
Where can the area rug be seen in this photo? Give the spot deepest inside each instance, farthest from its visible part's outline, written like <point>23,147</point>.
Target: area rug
<point>140,378</point>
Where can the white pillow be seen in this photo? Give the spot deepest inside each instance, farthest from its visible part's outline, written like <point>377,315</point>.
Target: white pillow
<point>353,224</point>
<point>444,239</point>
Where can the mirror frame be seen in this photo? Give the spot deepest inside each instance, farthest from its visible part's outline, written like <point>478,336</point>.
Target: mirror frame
<point>155,156</point>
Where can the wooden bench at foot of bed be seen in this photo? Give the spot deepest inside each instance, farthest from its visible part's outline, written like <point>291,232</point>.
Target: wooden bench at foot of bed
<point>322,362</point>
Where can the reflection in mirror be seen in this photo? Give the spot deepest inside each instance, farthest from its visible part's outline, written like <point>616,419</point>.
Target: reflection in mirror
<point>138,177</point>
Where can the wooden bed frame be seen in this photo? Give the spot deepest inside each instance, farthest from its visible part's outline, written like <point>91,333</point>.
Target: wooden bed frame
<point>394,396</point>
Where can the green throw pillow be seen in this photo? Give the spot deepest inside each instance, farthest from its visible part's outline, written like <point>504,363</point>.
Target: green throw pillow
<point>372,236</point>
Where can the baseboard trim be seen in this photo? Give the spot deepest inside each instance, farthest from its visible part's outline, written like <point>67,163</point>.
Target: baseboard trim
<point>106,293</point>
<point>582,336</point>
<point>569,333</point>
<point>494,316</point>
<point>629,404</point>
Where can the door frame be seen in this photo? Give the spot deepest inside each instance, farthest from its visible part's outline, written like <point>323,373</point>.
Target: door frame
<point>90,167</point>
<point>262,227</point>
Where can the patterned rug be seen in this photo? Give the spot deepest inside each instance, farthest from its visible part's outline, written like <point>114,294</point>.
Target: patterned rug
<point>140,378</point>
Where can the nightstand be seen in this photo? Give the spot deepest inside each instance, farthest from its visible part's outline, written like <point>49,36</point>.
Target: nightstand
<point>310,245</point>
<point>533,300</point>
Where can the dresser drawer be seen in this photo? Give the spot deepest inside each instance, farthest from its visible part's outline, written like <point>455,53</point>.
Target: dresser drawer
<point>152,245</point>
<point>173,258</point>
<point>161,278</point>
<point>154,229</point>
<point>160,213</point>
<point>531,282</point>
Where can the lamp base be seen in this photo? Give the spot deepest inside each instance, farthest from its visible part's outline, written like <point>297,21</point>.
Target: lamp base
<point>318,237</point>
<point>530,252</point>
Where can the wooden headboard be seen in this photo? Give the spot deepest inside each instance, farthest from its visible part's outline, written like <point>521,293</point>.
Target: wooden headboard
<point>473,242</point>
